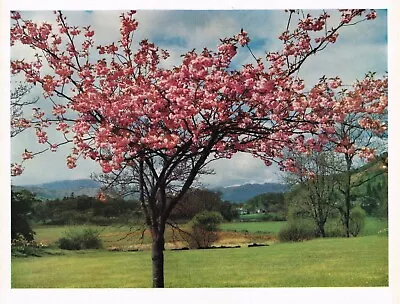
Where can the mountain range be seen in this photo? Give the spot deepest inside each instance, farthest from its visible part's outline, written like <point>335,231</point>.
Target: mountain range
<point>60,189</point>
<point>242,193</point>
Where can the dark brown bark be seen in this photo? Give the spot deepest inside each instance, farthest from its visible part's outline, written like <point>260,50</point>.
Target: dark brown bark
<point>157,257</point>
<point>321,228</point>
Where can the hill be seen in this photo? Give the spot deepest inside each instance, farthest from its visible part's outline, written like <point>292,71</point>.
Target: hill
<point>60,189</point>
<point>242,193</point>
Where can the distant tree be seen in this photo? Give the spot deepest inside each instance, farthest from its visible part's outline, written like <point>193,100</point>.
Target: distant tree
<point>315,182</point>
<point>357,220</point>
<point>196,201</point>
<point>204,228</point>
<point>374,197</point>
<point>358,132</point>
<point>21,211</point>
<point>228,211</point>
<point>269,202</point>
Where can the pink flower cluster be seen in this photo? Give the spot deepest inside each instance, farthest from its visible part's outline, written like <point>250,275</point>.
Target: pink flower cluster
<point>126,104</point>
<point>16,169</point>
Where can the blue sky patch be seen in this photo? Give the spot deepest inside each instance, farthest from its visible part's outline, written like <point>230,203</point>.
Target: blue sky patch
<point>170,41</point>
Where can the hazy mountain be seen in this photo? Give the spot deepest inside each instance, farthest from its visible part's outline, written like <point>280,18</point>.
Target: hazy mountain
<point>238,194</point>
<point>60,189</point>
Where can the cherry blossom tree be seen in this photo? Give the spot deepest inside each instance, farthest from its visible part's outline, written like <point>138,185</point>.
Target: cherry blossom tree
<point>119,107</point>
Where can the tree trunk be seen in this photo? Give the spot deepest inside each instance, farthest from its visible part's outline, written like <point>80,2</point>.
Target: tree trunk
<point>347,197</point>
<point>322,229</point>
<point>157,257</point>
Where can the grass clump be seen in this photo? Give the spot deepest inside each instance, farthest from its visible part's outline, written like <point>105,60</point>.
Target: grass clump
<point>21,247</point>
<point>296,231</point>
<point>79,240</point>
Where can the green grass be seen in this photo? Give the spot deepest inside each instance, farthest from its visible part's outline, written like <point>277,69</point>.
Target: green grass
<point>254,227</point>
<point>252,217</point>
<point>372,226</point>
<point>111,235</point>
<point>117,235</point>
<point>361,261</point>
<point>126,237</point>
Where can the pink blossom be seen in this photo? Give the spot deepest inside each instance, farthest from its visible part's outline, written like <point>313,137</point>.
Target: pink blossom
<point>42,136</point>
<point>243,38</point>
<point>27,155</point>
<point>71,162</point>
<point>371,15</point>
<point>15,15</point>
<point>16,169</point>
<point>59,110</point>
<point>53,147</point>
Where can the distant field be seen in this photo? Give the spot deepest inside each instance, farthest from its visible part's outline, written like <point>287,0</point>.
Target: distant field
<point>254,217</point>
<point>372,226</point>
<point>123,236</point>
<point>232,233</point>
<point>361,261</point>
<point>126,237</point>
<point>254,227</point>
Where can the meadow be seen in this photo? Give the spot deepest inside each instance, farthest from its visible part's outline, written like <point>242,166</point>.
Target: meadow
<point>361,261</point>
<point>332,262</point>
<point>372,227</point>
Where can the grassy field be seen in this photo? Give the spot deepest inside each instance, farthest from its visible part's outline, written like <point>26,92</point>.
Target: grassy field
<point>254,227</point>
<point>125,237</point>
<point>372,226</point>
<point>361,261</point>
<point>232,233</point>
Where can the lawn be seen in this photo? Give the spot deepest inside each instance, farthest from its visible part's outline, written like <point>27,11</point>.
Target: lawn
<point>361,261</point>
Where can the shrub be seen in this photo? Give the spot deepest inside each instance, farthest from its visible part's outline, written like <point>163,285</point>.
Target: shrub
<point>22,247</point>
<point>296,231</point>
<point>21,210</point>
<point>357,220</point>
<point>77,240</point>
<point>334,228</point>
<point>204,227</point>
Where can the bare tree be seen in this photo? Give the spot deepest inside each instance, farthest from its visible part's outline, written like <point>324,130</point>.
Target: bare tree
<point>317,175</point>
<point>357,138</point>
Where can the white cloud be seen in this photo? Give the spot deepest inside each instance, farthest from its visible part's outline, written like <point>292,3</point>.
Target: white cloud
<point>241,169</point>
